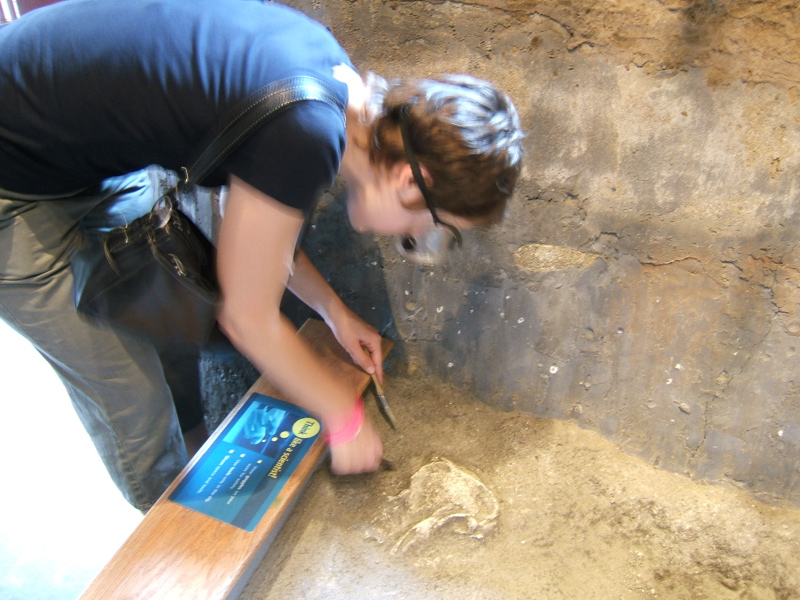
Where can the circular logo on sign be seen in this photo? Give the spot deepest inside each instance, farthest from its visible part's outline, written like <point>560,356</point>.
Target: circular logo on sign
<point>306,428</point>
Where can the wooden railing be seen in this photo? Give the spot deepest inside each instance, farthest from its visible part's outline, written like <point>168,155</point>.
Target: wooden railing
<point>177,553</point>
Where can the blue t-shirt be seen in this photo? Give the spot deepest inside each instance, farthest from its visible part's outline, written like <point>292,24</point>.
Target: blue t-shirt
<point>95,88</point>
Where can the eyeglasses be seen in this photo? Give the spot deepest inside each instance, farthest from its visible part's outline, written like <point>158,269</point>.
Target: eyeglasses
<point>434,245</point>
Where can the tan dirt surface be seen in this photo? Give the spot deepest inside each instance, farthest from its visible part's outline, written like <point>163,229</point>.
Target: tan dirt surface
<point>482,504</point>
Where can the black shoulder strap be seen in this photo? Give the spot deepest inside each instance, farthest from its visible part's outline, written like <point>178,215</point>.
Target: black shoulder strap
<point>246,116</point>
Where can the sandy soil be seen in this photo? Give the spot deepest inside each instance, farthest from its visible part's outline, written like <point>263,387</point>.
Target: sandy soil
<point>488,505</point>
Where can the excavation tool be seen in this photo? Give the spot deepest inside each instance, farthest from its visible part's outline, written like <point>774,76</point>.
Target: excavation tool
<point>384,403</point>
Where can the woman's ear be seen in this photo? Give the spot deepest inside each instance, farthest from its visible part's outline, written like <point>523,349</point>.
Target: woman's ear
<point>407,189</point>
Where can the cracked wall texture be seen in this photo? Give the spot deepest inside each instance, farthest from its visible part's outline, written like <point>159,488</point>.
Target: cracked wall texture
<point>645,281</point>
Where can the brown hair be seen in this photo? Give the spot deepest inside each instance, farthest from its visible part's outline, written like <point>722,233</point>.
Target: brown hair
<point>463,130</point>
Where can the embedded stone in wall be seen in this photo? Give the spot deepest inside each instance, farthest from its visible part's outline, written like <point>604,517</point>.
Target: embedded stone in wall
<point>543,257</point>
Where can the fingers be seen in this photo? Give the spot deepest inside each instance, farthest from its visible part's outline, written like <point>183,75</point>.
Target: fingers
<point>377,358</point>
<point>361,341</point>
<point>363,358</point>
<point>373,355</point>
<point>361,455</point>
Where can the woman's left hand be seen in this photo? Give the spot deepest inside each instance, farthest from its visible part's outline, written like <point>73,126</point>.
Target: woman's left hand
<point>361,341</point>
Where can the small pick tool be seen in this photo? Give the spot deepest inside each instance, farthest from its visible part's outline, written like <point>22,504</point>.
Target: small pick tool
<point>384,404</point>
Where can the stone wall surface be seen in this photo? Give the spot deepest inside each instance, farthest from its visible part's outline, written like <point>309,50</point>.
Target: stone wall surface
<point>645,280</point>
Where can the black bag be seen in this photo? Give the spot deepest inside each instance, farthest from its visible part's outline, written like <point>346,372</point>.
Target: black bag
<point>155,277</point>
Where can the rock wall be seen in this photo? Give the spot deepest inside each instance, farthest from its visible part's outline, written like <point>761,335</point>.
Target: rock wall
<point>645,280</point>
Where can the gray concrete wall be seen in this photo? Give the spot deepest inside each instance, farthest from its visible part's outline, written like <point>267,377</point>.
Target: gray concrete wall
<point>645,281</point>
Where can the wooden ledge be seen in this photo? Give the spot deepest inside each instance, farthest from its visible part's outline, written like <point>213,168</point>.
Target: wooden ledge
<point>176,552</point>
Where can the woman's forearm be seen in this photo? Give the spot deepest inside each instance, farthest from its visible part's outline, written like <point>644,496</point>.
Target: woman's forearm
<point>287,361</point>
<point>308,284</point>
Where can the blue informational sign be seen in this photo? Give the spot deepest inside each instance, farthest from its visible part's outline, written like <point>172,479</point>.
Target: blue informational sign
<point>238,478</point>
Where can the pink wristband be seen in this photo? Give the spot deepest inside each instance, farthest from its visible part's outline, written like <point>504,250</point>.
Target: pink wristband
<point>351,430</point>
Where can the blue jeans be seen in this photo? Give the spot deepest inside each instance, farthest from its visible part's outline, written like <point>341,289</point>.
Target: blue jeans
<point>117,384</point>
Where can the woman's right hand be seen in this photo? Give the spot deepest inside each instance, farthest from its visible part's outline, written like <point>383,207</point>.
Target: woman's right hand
<point>362,454</point>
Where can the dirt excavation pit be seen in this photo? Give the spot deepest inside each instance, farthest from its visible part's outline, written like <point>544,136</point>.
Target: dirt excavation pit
<point>482,504</point>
